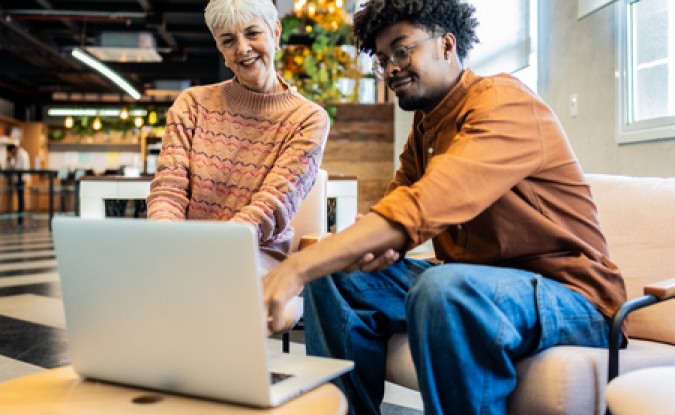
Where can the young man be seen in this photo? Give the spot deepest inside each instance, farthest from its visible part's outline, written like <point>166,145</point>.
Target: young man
<point>489,175</point>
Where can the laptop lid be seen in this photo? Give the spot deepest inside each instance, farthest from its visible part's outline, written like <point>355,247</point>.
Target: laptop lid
<point>174,306</point>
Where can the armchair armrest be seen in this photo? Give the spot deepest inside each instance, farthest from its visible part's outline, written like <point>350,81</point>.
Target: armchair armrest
<point>307,240</point>
<point>654,293</point>
<point>663,290</point>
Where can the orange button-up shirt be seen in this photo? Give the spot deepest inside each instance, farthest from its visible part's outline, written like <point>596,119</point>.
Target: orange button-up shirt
<point>490,175</point>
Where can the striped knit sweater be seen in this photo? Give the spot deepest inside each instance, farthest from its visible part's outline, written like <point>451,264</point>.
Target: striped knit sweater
<point>232,154</point>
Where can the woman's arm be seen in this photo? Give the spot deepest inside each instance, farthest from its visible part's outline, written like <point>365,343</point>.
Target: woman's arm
<point>288,181</point>
<point>168,199</point>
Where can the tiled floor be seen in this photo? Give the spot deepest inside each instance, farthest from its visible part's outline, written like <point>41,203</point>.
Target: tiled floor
<point>32,327</point>
<point>32,330</point>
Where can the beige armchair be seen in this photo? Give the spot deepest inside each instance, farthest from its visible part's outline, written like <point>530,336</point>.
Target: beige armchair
<point>311,219</point>
<point>638,219</point>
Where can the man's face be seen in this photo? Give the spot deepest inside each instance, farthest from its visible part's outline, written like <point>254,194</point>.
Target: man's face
<point>422,76</point>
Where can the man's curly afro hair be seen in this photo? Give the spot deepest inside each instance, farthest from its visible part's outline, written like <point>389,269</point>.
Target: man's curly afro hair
<point>437,16</point>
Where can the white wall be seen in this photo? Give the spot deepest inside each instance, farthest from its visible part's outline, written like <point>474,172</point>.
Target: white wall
<point>284,7</point>
<point>402,122</point>
<point>579,57</point>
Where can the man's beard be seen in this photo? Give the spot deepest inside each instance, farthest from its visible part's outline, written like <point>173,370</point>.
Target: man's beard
<point>412,103</point>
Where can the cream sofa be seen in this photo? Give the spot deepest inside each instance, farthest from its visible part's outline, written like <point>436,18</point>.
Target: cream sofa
<point>638,218</point>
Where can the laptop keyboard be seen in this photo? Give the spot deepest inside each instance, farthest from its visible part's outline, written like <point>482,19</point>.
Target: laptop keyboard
<point>278,377</point>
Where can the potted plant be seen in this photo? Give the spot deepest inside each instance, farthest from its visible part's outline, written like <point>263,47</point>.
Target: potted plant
<point>317,53</point>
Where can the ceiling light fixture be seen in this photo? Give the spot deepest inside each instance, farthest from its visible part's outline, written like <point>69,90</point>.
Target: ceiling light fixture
<point>105,71</point>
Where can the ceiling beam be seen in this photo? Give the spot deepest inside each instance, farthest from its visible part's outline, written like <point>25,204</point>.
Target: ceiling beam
<point>46,4</point>
<point>145,5</point>
<point>167,36</point>
<point>46,14</point>
<point>32,50</point>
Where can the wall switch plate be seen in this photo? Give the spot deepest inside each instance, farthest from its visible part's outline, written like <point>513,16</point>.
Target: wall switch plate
<point>574,105</point>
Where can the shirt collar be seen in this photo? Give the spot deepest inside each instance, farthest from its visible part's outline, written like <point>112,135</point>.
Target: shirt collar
<point>451,100</point>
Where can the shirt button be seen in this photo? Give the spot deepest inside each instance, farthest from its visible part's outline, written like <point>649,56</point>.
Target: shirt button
<point>431,150</point>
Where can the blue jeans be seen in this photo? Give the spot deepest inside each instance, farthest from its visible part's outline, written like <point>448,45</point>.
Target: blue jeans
<point>467,325</point>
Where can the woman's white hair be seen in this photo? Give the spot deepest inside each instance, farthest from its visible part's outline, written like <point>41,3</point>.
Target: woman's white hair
<point>221,14</point>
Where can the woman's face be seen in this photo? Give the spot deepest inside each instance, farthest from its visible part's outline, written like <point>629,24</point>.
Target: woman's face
<point>248,49</point>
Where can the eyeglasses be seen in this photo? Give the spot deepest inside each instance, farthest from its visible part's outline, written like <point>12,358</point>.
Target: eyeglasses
<point>400,57</point>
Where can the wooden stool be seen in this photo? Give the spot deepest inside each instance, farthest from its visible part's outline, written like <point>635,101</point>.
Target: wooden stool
<point>62,391</point>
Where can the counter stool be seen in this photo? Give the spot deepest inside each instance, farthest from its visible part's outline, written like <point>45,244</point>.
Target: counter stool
<point>14,195</point>
<point>67,189</point>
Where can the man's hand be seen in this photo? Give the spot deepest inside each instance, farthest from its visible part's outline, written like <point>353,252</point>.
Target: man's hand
<point>279,287</point>
<point>372,263</point>
<point>372,243</point>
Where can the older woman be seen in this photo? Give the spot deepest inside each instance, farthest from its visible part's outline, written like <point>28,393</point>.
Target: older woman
<point>246,149</point>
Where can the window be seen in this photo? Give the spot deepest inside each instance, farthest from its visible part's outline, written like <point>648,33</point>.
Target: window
<point>646,81</point>
<point>507,33</point>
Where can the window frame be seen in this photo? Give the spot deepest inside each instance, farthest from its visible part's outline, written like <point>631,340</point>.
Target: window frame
<point>525,52</point>
<point>653,129</point>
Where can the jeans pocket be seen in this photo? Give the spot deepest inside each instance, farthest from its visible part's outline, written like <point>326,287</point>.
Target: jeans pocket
<point>566,317</point>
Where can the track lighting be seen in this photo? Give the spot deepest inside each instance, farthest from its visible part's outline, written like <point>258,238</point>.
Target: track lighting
<point>104,70</point>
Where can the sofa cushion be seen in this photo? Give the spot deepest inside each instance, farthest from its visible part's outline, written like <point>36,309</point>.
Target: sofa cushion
<point>637,215</point>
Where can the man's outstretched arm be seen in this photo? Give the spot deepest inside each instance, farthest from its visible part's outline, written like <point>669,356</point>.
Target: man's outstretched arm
<point>371,243</point>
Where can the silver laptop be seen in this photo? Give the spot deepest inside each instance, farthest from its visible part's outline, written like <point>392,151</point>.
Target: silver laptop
<point>175,306</point>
